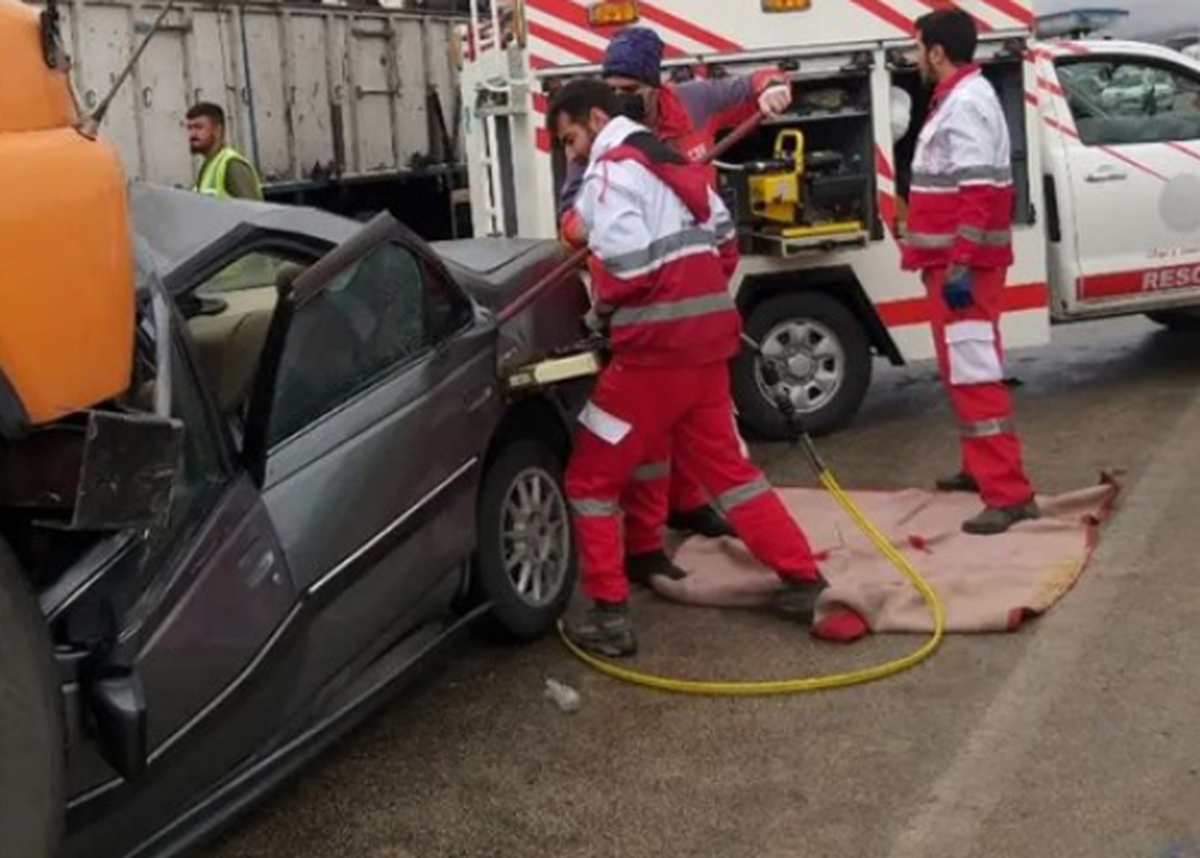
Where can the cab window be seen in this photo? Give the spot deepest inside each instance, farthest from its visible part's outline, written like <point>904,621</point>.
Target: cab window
<point>1128,101</point>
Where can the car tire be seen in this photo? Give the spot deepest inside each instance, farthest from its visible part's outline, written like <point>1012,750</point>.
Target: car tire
<point>524,524</point>
<point>1176,320</point>
<point>31,733</point>
<point>835,359</point>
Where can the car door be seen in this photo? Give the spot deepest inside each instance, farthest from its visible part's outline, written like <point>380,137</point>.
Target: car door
<point>1131,240</point>
<point>370,423</point>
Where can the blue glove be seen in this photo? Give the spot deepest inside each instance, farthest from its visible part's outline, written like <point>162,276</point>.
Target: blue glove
<point>957,290</point>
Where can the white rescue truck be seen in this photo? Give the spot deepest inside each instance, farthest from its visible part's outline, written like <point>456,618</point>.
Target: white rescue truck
<point>1106,155</point>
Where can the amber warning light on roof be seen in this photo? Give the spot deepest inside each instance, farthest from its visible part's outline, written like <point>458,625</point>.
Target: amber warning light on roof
<point>785,5</point>
<point>615,13</point>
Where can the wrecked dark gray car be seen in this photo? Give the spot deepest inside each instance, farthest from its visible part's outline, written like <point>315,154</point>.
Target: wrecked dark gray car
<point>356,487</point>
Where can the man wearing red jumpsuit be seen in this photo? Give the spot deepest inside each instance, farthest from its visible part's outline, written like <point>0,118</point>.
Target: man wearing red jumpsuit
<point>687,116</point>
<point>665,247</point>
<point>960,239</point>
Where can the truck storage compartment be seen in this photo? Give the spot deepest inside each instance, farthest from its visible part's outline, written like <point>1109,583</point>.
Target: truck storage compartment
<point>804,181</point>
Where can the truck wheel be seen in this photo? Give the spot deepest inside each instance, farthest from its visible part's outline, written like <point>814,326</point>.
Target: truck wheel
<point>823,357</point>
<point>1176,320</point>
<point>31,733</point>
<point>526,564</point>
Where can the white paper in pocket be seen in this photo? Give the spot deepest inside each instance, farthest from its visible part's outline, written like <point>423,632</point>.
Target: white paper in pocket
<point>604,425</point>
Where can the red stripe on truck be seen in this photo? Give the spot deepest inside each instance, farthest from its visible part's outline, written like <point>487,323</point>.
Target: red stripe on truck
<point>915,311</point>
<point>1022,14</point>
<point>984,26</point>
<point>576,16</point>
<point>1050,86</point>
<point>585,52</point>
<point>882,165</point>
<point>887,14</point>
<point>887,201</point>
<point>1146,281</point>
<point>687,29</point>
<point>1179,147</point>
<point>1108,150</point>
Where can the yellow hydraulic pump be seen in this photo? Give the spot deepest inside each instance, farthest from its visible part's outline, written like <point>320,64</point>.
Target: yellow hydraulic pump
<point>775,193</point>
<point>802,197</point>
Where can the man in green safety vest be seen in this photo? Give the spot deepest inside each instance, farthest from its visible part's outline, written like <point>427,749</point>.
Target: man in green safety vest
<point>226,172</point>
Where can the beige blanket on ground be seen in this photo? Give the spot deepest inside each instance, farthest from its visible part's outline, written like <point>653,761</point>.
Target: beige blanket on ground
<point>988,584</point>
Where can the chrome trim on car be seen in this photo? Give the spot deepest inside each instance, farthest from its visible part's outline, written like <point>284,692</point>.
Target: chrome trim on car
<point>394,526</point>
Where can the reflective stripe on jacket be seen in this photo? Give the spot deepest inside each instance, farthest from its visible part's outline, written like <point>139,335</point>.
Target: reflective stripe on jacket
<point>665,248</point>
<point>961,198</point>
<point>212,175</point>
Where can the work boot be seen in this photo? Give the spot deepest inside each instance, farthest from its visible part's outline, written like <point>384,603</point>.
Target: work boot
<point>994,520</point>
<point>606,630</point>
<point>960,482</point>
<point>797,601</point>
<point>701,521</point>
<point>640,568</point>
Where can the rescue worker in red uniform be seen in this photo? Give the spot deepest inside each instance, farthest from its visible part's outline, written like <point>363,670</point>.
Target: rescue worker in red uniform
<point>687,116</point>
<point>665,247</point>
<point>960,239</point>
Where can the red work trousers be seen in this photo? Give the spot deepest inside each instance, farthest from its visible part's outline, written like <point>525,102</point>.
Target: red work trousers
<point>636,413</point>
<point>971,358</point>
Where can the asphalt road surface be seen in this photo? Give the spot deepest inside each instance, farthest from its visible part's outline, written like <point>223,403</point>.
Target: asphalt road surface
<point>1075,737</point>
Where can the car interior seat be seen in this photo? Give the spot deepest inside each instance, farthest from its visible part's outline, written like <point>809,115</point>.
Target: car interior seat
<point>229,345</point>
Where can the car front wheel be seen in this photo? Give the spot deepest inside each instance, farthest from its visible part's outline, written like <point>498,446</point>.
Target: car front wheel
<point>31,737</point>
<point>526,565</point>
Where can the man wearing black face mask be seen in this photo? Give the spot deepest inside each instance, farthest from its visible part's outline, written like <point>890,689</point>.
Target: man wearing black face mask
<point>686,116</point>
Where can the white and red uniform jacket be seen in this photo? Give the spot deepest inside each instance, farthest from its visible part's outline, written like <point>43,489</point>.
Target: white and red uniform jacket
<point>663,249</point>
<point>961,199</point>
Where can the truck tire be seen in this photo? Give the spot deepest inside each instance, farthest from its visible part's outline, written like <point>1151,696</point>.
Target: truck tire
<point>826,364</point>
<point>31,734</point>
<point>1176,320</point>
<point>526,564</point>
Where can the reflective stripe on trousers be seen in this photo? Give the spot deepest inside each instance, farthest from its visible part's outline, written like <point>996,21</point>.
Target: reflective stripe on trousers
<point>947,240</point>
<point>594,508</point>
<point>986,428</point>
<point>730,500</point>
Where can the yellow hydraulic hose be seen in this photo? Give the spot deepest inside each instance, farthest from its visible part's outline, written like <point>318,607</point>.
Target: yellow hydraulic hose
<point>758,688</point>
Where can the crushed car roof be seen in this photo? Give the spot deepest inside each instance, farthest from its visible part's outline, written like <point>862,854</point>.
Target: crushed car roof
<point>173,225</point>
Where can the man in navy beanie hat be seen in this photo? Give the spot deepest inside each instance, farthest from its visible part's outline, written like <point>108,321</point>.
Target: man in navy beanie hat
<point>687,116</point>
<point>635,53</point>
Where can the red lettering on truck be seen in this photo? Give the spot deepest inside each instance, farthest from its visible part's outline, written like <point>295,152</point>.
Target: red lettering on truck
<point>1125,283</point>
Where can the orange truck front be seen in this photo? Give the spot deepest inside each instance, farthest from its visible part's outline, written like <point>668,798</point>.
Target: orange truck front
<point>67,288</point>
